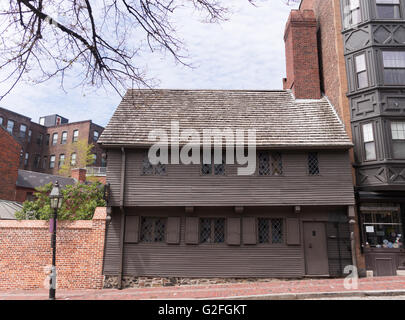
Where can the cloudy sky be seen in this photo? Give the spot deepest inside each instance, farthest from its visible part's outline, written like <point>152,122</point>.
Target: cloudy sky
<point>246,52</point>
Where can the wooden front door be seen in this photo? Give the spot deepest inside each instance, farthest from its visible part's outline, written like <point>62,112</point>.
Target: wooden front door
<point>316,253</point>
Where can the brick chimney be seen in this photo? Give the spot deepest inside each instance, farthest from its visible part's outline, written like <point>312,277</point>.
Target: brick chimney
<point>79,175</point>
<point>301,49</point>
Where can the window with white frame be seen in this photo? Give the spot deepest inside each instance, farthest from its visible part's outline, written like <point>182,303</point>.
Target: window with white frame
<point>73,158</point>
<point>352,13</point>
<point>10,126</point>
<point>75,136</point>
<point>54,139</point>
<point>369,142</point>
<point>388,9</point>
<point>394,67</point>
<point>27,157</point>
<point>64,137</point>
<point>398,139</point>
<point>23,130</point>
<point>52,162</point>
<point>61,160</point>
<point>95,136</point>
<point>361,71</point>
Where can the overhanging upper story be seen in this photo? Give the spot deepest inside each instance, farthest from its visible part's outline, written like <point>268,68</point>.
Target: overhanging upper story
<point>301,157</point>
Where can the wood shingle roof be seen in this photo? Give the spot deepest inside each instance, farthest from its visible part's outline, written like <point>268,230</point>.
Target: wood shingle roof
<point>280,120</point>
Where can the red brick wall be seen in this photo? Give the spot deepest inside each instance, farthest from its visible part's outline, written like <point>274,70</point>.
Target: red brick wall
<point>302,55</point>
<point>26,255</point>
<point>9,160</point>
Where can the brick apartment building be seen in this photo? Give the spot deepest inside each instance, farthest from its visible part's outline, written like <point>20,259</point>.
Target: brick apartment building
<point>361,48</point>
<point>47,145</point>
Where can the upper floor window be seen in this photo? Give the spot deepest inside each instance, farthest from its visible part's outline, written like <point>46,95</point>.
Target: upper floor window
<point>23,130</point>
<point>270,230</point>
<point>10,126</point>
<point>42,121</point>
<point>352,13</point>
<point>369,142</point>
<point>52,162</point>
<point>361,71</point>
<point>75,136</point>
<point>37,161</point>
<point>1,121</point>
<point>104,160</point>
<point>54,139</point>
<point>95,136</point>
<point>216,169</point>
<point>313,164</point>
<point>47,139</point>
<point>94,159</point>
<point>27,156</point>
<point>270,163</point>
<point>40,138</point>
<point>388,9</point>
<point>212,230</point>
<point>153,229</point>
<point>29,135</point>
<point>61,160</point>
<point>63,139</point>
<point>398,139</point>
<point>394,67</point>
<point>149,169</point>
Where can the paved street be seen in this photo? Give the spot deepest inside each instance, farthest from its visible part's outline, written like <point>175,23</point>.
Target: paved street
<point>277,289</point>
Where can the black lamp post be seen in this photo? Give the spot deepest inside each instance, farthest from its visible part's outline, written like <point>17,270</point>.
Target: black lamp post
<point>56,203</point>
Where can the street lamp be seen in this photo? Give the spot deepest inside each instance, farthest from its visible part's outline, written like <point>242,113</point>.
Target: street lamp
<point>56,203</point>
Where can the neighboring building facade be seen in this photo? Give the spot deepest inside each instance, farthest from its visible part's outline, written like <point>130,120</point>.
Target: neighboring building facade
<point>369,38</point>
<point>288,219</point>
<point>46,146</point>
<point>9,156</point>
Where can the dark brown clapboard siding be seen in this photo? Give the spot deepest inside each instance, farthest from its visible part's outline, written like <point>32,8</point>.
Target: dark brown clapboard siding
<point>190,260</point>
<point>184,186</point>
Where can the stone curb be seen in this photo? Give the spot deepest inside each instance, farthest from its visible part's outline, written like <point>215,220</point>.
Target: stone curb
<point>312,295</point>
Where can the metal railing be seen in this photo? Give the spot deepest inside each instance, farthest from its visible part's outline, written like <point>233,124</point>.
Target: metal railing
<point>96,171</point>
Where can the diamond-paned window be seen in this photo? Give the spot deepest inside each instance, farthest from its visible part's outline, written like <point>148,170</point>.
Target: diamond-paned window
<point>270,230</point>
<point>263,230</point>
<point>206,169</point>
<point>217,169</point>
<point>264,164</point>
<point>153,229</point>
<point>148,169</point>
<point>313,164</point>
<point>277,230</point>
<point>276,164</point>
<point>212,230</point>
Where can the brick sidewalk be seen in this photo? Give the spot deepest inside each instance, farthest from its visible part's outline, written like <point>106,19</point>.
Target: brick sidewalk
<point>276,287</point>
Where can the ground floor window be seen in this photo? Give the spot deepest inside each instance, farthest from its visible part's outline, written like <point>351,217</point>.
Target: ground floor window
<point>153,229</point>
<point>270,230</point>
<point>212,230</point>
<point>381,225</point>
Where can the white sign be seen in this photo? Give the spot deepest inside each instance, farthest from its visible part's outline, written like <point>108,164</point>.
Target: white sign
<point>370,229</point>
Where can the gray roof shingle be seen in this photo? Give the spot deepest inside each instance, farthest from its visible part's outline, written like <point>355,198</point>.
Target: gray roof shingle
<point>280,120</point>
<point>32,180</point>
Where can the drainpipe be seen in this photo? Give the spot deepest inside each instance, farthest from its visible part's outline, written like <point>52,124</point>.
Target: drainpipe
<point>122,229</point>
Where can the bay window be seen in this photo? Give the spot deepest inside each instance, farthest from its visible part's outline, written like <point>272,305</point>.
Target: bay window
<point>388,9</point>
<point>394,67</point>
<point>352,13</point>
<point>369,142</point>
<point>398,139</point>
<point>361,71</point>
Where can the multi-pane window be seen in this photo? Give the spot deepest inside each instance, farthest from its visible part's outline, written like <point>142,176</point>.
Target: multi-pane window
<point>270,163</point>
<point>394,67</point>
<point>63,139</point>
<point>313,164</point>
<point>352,12</point>
<point>398,139</point>
<point>153,229</point>
<point>52,162</point>
<point>1,121</point>
<point>369,142</point>
<point>10,126</point>
<point>148,169</point>
<point>75,136</point>
<point>47,139</point>
<point>95,136</point>
<point>23,130</point>
<point>29,135</point>
<point>54,139</point>
<point>388,9</point>
<point>361,71</point>
<point>216,169</point>
<point>270,230</point>
<point>73,159</point>
<point>212,230</point>
<point>61,160</point>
